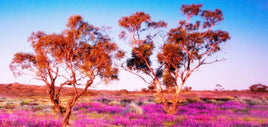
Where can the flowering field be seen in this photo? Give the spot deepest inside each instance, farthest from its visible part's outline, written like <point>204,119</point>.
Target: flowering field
<point>193,114</point>
<point>29,108</point>
<point>144,111</point>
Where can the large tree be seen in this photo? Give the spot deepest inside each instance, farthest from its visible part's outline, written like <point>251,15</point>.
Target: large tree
<point>185,48</point>
<point>81,52</point>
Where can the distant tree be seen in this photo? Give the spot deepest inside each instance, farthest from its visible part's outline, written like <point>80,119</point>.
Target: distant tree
<point>82,52</point>
<point>219,87</point>
<point>187,88</point>
<point>185,49</point>
<point>258,88</point>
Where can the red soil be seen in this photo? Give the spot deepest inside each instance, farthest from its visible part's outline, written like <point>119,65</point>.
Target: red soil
<point>23,90</point>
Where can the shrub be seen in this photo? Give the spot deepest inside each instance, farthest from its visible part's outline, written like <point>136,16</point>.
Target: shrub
<point>225,98</point>
<point>124,102</point>
<point>193,99</point>
<point>25,102</point>
<point>258,88</point>
<point>144,90</point>
<point>123,91</point>
<point>133,108</point>
<point>253,101</point>
<point>104,100</point>
<point>219,87</point>
<point>151,99</point>
<point>187,89</point>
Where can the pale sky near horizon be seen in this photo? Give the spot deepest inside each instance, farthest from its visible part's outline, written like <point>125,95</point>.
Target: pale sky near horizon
<point>246,53</point>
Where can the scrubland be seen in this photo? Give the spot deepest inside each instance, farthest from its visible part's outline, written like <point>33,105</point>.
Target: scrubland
<point>22,105</point>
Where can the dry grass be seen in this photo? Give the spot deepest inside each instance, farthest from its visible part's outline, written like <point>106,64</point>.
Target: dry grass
<point>33,93</point>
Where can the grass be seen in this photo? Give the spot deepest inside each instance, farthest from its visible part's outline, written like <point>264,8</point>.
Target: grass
<point>224,109</point>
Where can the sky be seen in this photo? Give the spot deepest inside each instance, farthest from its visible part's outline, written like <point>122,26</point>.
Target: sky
<point>246,53</point>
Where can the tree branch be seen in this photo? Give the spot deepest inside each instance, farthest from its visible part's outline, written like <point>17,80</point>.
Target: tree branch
<point>137,75</point>
<point>217,60</point>
<point>208,30</point>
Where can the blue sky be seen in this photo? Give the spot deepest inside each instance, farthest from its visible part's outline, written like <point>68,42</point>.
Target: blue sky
<point>246,21</point>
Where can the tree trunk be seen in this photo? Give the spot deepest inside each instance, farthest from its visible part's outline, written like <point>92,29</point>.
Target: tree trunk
<point>55,100</point>
<point>174,108</point>
<point>162,96</point>
<point>171,109</point>
<point>68,112</point>
<point>66,118</point>
<point>58,108</point>
<point>72,101</point>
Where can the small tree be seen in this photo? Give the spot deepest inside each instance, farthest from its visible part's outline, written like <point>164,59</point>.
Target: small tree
<point>219,87</point>
<point>185,49</point>
<point>82,52</point>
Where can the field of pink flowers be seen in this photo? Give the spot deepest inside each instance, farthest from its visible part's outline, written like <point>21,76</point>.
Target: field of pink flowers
<point>98,114</point>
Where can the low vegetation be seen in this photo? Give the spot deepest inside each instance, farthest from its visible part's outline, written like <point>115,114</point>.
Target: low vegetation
<point>205,108</point>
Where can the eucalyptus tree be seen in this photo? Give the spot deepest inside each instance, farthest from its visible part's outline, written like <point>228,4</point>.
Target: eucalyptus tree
<point>182,51</point>
<point>81,52</point>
